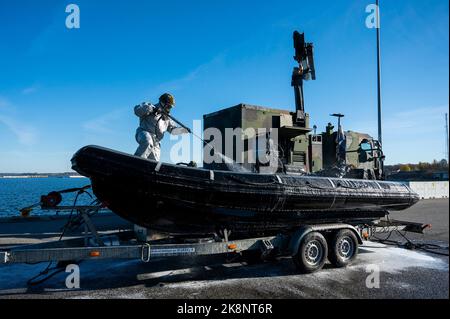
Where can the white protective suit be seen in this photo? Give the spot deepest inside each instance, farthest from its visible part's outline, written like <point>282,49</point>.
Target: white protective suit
<point>152,126</point>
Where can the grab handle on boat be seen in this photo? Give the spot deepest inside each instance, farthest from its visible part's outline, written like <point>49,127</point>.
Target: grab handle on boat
<point>145,249</point>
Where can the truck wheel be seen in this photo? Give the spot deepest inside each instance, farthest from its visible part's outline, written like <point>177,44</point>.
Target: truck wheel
<point>343,248</point>
<point>312,253</point>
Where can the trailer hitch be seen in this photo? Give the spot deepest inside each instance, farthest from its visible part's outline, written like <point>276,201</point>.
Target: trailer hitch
<point>266,247</point>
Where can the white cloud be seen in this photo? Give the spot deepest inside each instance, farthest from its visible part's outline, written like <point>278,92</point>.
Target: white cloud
<point>104,124</point>
<point>180,83</point>
<point>4,103</point>
<point>420,119</point>
<point>407,123</point>
<point>24,133</point>
<point>30,89</point>
<point>107,123</point>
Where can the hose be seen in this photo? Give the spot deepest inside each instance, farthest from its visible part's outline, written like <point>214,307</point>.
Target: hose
<point>59,267</point>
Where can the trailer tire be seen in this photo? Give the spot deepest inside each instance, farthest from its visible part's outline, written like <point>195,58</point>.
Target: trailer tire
<point>343,248</point>
<point>312,253</point>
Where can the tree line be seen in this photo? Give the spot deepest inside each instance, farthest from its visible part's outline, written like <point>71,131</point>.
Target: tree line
<point>434,166</point>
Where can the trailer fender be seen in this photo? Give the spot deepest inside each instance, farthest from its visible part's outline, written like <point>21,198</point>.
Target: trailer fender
<point>296,239</point>
<point>357,233</point>
<point>337,227</point>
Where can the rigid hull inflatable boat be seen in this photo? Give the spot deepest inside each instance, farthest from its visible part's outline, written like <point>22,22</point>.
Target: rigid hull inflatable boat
<point>179,199</point>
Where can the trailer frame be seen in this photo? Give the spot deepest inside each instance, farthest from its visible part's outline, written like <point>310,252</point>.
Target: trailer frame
<point>125,245</point>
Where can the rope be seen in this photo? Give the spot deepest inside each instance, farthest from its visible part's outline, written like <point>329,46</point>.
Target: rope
<point>59,267</point>
<point>33,282</point>
<point>427,247</point>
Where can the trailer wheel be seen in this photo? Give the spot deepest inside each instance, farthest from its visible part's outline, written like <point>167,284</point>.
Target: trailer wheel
<point>312,253</point>
<point>343,248</point>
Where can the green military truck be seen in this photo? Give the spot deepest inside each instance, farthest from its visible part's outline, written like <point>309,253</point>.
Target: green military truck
<point>298,150</point>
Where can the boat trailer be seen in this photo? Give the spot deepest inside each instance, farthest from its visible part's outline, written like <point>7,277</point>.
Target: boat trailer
<point>309,245</point>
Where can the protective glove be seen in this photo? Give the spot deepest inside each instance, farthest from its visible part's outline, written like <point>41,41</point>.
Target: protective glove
<point>180,130</point>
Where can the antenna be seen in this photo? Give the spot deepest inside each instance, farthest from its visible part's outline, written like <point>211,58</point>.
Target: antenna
<point>340,140</point>
<point>304,71</point>
<point>379,73</point>
<point>446,136</point>
<point>338,115</point>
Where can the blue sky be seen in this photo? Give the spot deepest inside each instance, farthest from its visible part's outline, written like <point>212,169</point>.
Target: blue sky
<point>64,88</point>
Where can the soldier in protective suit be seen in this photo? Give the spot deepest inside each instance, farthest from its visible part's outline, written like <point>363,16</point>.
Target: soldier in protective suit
<point>153,123</point>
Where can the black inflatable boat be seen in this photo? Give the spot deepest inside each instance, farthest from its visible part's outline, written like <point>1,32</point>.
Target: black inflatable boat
<point>180,199</point>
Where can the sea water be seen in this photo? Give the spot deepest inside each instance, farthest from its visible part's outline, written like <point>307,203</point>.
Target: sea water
<point>17,193</point>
